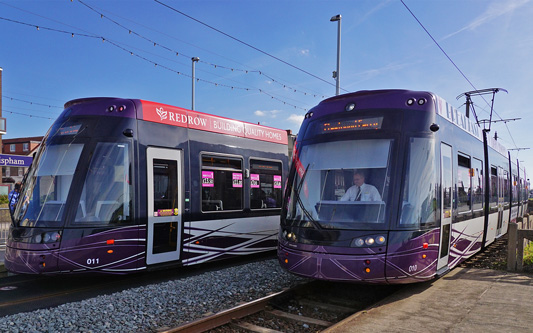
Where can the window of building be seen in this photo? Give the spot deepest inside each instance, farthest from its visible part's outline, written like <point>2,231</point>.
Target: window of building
<point>222,183</point>
<point>12,147</point>
<point>25,146</point>
<point>20,172</point>
<point>265,184</point>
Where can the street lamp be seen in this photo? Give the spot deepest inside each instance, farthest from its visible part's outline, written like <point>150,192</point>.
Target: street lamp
<point>336,73</point>
<point>194,60</point>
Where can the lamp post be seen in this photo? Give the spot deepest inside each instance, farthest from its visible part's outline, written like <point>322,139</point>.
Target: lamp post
<point>337,18</point>
<point>194,61</point>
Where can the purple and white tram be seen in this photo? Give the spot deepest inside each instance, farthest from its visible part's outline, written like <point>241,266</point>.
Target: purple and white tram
<point>121,185</point>
<point>445,189</point>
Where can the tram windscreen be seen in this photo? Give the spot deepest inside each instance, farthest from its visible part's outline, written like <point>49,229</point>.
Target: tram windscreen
<point>105,197</point>
<point>44,194</point>
<point>341,185</point>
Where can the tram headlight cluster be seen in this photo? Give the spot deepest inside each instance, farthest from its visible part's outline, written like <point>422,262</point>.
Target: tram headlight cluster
<point>369,241</point>
<point>47,237</point>
<point>290,236</point>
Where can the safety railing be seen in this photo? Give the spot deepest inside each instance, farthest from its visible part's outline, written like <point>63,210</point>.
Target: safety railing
<point>5,220</point>
<point>520,235</point>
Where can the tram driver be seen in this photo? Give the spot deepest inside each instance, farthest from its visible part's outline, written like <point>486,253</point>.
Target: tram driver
<point>361,191</point>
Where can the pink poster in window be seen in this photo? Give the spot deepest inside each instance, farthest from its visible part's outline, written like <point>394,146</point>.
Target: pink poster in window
<point>254,181</point>
<point>208,179</point>
<point>237,180</point>
<point>277,181</point>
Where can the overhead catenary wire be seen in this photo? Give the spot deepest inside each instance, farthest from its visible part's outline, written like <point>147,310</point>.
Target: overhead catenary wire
<point>453,63</point>
<point>156,64</point>
<point>245,43</point>
<point>179,53</point>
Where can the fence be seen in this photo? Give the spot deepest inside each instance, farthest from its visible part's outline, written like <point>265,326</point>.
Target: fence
<point>5,220</point>
<point>520,234</point>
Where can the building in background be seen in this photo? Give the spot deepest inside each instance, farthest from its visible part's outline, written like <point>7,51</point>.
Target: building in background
<point>15,159</point>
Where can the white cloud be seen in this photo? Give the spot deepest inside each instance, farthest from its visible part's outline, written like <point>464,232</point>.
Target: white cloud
<point>296,119</point>
<point>304,52</point>
<point>494,11</point>
<point>268,114</point>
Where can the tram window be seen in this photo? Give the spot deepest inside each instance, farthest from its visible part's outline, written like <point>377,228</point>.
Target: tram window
<point>265,184</point>
<point>506,188</point>
<point>515,189</point>
<point>493,187</point>
<point>47,188</point>
<point>165,189</point>
<point>326,174</point>
<point>477,184</point>
<point>419,192</point>
<point>106,195</point>
<point>464,190</point>
<point>222,183</point>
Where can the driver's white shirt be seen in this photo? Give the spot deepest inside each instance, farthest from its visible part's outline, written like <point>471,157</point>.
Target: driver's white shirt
<point>368,193</point>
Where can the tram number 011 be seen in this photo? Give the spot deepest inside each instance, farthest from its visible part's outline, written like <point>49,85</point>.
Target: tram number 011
<point>93,261</point>
<point>413,268</point>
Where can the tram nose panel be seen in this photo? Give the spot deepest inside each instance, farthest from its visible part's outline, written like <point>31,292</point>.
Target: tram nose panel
<point>26,261</point>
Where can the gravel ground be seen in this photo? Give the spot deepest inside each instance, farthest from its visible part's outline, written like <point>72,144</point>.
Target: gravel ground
<point>494,257</point>
<point>155,307</point>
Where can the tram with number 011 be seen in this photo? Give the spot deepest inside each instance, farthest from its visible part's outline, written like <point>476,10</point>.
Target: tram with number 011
<point>394,186</point>
<point>122,185</point>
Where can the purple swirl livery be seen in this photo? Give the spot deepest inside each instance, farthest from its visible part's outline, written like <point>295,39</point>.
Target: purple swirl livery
<point>120,186</point>
<point>432,190</point>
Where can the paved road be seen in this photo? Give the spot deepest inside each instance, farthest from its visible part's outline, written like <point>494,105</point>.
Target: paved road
<point>464,300</point>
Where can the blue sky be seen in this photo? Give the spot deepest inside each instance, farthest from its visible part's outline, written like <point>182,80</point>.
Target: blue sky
<point>382,47</point>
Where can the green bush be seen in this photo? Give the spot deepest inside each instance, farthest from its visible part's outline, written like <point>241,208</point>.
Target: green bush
<point>3,199</point>
<point>528,255</point>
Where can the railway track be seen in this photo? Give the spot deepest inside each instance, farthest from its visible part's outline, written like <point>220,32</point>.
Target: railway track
<point>310,307</point>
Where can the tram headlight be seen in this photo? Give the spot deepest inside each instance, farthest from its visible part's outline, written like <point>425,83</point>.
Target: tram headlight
<point>47,237</point>
<point>38,238</point>
<point>369,241</point>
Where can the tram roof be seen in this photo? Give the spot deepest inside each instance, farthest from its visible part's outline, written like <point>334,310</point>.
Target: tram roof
<point>180,117</point>
<point>399,98</point>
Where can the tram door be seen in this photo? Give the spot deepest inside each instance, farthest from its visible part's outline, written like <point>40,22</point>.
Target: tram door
<point>165,196</point>
<point>446,204</point>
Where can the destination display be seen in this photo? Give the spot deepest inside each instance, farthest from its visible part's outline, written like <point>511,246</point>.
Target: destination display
<point>357,124</point>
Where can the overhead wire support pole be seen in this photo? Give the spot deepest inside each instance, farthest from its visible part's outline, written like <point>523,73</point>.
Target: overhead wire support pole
<point>480,92</point>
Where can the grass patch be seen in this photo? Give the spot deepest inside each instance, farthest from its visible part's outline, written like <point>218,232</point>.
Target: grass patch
<point>528,254</point>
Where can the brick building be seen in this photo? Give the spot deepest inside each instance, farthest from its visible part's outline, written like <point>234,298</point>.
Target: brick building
<point>18,146</point>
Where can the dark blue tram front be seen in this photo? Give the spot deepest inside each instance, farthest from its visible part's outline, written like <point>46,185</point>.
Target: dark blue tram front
<point>426,162</point>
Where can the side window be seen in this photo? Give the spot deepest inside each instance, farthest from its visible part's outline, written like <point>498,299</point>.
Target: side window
<point>493,187</point>
<point>477,185</point>
<point>506,188</point>
<point>265,184</point>
<point>222,183</point>
<point>165,190</point>
<point>464,191</point>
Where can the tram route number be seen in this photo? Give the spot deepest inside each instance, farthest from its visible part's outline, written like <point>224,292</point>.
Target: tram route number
<point>93,261</point>
<point>413,268</point>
